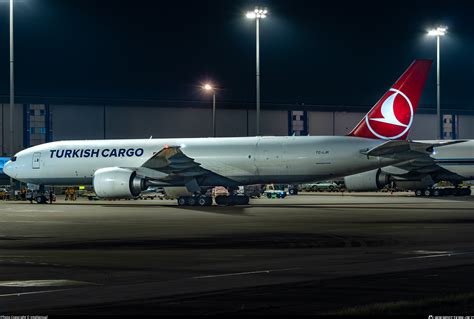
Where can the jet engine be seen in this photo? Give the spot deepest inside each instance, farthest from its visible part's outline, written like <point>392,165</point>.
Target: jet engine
<point>377,179</point>
<point>116,182</point>
<point>367,181</point>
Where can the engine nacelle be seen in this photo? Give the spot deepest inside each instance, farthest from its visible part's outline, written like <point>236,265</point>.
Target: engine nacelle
<point>116,182</point>
<point>367,181</point>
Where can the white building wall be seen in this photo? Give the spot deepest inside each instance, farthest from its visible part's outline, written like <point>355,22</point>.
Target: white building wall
<point>424,127</point>
<point>271,123</point>
<point>87,122</point>
<point>143,122</point>
<point>321,123</point>
<point>70,122</point>
<point>231,123</point>
<point>345,122</point>
<point>5,145</point>
<point>465,126</point>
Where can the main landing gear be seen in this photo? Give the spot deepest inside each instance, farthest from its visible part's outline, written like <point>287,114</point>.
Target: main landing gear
<point>221,200</point>
<point>201,200</point>
<point>436,192</point>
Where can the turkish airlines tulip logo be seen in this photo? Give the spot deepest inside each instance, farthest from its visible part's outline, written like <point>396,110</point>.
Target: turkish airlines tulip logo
<point>393,118</point>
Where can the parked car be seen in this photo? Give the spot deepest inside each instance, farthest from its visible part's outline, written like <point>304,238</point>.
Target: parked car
<point>149,193</point>
<point>274,191</point>
<point>321,187</point>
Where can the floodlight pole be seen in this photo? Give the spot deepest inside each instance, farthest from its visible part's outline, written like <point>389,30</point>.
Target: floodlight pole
<point>257,14</point>
<point>214,113</point>
<point>257,23</point>
<point>12,88</point>
<point>12,96</point>
<point>438,87</point>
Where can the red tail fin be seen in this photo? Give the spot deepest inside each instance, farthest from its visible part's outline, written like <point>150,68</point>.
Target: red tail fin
<point>392,116</point>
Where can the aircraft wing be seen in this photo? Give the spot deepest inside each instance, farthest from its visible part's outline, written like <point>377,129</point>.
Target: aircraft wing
<point>178,168</point>
<point>421,164</point>
<point>172,161</point>
<point>397,148</point>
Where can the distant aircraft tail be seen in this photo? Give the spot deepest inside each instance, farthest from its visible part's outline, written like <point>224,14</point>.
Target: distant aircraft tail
<point>392,116</point>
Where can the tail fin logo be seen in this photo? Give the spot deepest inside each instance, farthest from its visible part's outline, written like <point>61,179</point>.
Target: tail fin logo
<point>393,118</point>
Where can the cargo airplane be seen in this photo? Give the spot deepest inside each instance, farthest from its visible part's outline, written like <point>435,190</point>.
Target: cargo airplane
<point>189,167</point>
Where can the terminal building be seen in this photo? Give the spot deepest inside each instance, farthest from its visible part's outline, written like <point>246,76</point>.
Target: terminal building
<point>40,120</point>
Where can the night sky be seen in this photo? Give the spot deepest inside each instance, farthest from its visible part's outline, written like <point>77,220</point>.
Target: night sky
<point>313,52</point>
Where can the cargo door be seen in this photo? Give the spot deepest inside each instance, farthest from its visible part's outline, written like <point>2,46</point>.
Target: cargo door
<point>36,160</point>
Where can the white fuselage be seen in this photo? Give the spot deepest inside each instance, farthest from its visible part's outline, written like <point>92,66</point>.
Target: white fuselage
<point>246,160</point>
<point>457,159</point>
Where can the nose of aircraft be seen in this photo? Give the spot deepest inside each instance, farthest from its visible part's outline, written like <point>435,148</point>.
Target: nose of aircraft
<point>7,168</point>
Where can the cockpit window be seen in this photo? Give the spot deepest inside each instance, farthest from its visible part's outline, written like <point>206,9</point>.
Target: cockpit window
<point>13,158</point>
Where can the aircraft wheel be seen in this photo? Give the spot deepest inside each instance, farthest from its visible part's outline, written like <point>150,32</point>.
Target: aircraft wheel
<point>182,201</point>
<point>293,191</point>
<point>202,201</point>
<point>40,199</point>
<point>191,201</point>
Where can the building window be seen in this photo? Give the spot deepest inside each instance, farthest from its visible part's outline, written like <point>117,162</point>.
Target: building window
<point>42,130</point>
